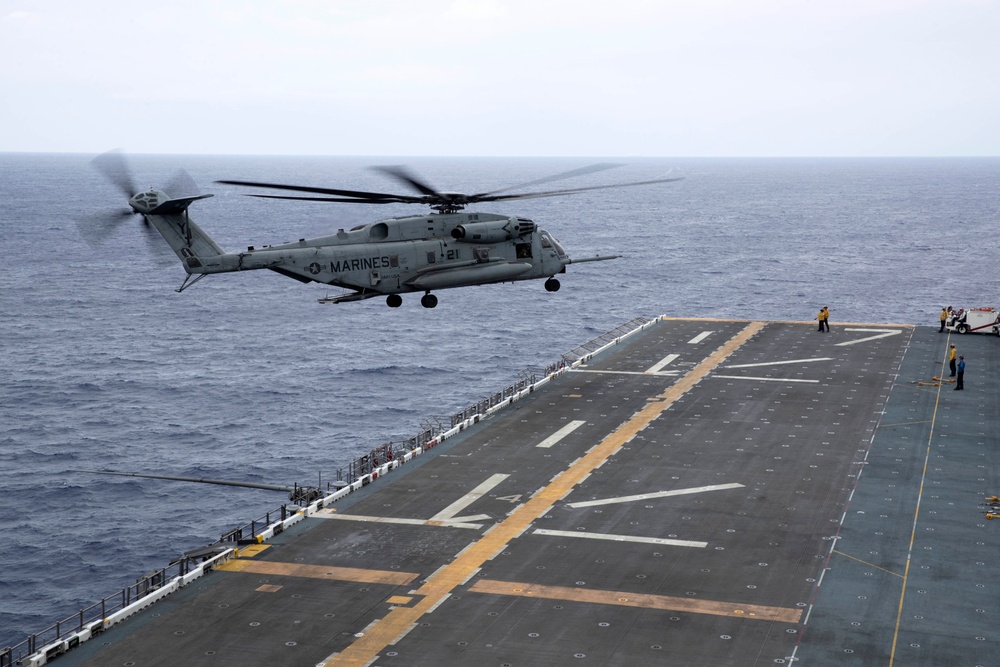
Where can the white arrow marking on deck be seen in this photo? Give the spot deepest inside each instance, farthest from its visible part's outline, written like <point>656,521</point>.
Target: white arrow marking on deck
<point>449,513</point>
<point>619,538</point>
<point>560,434</point>
<point>886,333</point>
<point>751,377</point>
<point>461,522</point>
<point>661,373</point>
<point>658,494</point>
<point>329,514</point>
<point>700,337</point>
<point>778,363</point>
<point>446,517</point>
<point>663,362</point>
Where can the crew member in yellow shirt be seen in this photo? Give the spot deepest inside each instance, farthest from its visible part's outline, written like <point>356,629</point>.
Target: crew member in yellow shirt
<point>824,319</point>
<point>951,359</point>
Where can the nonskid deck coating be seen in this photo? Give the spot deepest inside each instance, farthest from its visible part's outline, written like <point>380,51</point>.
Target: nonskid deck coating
<point>909,578</point>
<point>688,498</point>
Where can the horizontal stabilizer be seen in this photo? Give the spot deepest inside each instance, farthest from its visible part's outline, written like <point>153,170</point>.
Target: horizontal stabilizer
<point>178,205</point>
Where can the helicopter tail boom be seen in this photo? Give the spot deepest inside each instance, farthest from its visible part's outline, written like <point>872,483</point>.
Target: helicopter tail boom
<point>188,241</point>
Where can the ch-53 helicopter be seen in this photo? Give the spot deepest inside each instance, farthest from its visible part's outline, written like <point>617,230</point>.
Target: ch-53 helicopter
<point>446,248</point>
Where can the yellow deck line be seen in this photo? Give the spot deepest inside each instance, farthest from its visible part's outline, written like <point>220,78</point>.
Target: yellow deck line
<point>364,650</point>
<point>320,572</point>
<point>252,550</point>
<point>864,562</point>
<point>645,601</point>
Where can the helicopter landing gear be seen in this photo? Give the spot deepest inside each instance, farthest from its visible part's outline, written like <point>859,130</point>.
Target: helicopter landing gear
<point>428,300</point>
<point>551,285</point>
<point>394,301</point>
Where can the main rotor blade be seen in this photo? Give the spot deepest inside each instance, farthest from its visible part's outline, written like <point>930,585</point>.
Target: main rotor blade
<point>441,200</point>
<point>570,191</point>
<point>352,201</point>
<point>555,177</point>
<point>357,194</point>
<point>402,175</point>
<point>114,168</point>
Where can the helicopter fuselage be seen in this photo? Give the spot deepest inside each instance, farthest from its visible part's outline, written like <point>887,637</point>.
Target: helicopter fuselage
<point>450,247</point>
<point>406,254</point>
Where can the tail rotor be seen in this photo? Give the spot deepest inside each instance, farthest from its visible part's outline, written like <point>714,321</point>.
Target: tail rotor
<point>113,167</point>
<point>97,228</point>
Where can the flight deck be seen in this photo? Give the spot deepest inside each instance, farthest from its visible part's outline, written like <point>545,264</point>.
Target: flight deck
<point>703,492</point>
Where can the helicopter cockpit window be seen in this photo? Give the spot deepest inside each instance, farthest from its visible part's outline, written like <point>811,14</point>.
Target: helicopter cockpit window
<point>549,242</point>
<point>559,248</point>
<point>523,250</point>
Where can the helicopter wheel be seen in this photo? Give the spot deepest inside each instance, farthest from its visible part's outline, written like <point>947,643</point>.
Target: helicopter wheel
<point>428,300</point>
<point>551,285</point>
<point>394,301</point>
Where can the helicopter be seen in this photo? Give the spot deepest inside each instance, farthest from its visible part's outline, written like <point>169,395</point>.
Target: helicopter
<point>446,248</point>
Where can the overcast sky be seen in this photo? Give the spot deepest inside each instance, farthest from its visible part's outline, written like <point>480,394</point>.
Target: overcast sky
<point>502,77</point>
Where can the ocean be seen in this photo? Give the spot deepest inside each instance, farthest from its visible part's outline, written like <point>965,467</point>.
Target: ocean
<point>246,377</point>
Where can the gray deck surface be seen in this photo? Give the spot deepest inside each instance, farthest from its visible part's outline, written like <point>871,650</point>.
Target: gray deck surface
<point>771,495</point>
